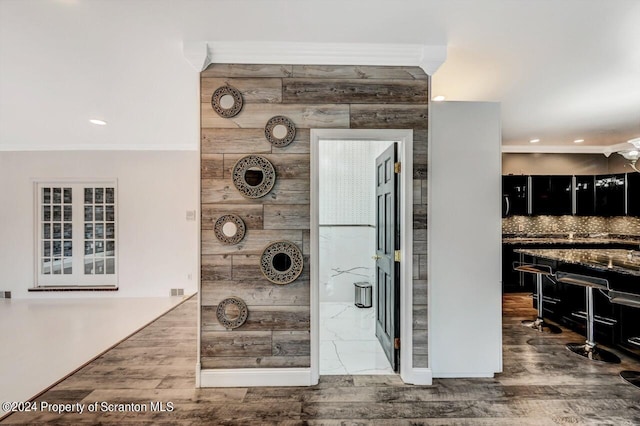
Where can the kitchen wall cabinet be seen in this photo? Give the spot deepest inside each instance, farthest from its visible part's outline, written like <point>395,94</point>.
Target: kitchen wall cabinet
<point>585,195</point>
<point>551,195</point>
<point>515,195</point>
<point>610,195</point>
<point>633,194</point>
<point>582,195</point>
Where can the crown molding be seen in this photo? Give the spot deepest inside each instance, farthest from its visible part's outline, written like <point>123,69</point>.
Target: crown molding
<point>201,54</point>
<point>606,150</point>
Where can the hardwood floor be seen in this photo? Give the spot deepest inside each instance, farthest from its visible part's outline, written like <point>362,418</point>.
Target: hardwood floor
<point>542,384</point>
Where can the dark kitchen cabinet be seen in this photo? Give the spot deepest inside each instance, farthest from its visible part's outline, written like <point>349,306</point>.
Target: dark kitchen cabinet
<point>585,195</point>
<point>630,329</point>
<point>515,195</point>
<point>551,195</point>
<point>514,281</point>
<point>633,194</point>
<point>610,195</point>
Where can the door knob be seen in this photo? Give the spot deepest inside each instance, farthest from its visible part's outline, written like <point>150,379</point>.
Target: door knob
<point>375,257</point>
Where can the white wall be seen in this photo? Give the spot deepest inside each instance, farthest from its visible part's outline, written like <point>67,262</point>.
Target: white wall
<point>63,62</point>
<point>464,222</point>
<point>158,247</point>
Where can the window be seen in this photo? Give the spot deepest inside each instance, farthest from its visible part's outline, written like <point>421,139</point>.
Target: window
<point>76,234</point>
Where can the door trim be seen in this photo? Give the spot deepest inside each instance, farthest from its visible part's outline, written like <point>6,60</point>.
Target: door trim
<point>404,137</point>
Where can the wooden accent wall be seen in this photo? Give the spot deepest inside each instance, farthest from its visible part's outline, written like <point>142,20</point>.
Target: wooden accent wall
<point>276,333</point>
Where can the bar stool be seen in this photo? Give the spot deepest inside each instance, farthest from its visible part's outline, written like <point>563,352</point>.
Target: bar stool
<point>588,349</point>
<point>632,300</point>
<point>540,271</point>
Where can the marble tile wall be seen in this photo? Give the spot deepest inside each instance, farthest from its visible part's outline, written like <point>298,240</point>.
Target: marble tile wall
<point>622,225</point>
<point>345,258</point>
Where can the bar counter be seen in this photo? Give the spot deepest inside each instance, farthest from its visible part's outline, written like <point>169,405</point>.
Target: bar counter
<point>625,262</point>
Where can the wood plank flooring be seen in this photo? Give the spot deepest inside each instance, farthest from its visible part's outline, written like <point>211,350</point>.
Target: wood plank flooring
<point>542,384</point>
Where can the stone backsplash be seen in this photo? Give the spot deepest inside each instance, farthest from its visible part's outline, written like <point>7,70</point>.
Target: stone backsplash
<point>544,225</point>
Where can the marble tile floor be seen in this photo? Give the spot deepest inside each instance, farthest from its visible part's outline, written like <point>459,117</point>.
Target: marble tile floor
<point>542,384</point>
<point>45,339</point>
<point>348,344</point>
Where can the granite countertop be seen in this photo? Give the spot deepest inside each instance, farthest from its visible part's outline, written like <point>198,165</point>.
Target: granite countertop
<point>577,239</point>
<point>609,260</point>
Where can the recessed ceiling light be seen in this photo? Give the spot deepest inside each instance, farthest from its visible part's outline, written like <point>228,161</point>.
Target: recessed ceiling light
<point>578,141</point>
<point>439,98</point>
<point>534,141</point>
<point>98,122</point>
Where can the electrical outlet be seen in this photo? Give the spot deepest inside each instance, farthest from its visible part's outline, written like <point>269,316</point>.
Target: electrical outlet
<point>177,292</point>
<point>189,277</point>
<point>191,215</point>
<point>520,227</point>
<point>5,295</point>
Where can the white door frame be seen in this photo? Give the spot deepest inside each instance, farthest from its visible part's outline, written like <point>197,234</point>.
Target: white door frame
<point>404,137</point>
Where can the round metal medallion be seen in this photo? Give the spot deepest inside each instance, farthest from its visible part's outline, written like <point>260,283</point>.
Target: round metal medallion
<point>282,262</point>
<point>232,312</point>
<point>223,111</point>
<point>254,176</point>
<point>280,120</point>
<point>229,229</point>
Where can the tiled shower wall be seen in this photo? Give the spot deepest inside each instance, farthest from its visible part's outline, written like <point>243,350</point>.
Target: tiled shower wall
<point>622,225</point>
<point>276,333</point>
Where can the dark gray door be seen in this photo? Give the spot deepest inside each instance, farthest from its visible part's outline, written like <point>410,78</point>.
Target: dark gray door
<point>387,269</point>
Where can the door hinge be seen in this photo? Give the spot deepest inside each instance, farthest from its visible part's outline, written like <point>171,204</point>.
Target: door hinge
<point>396,256</point>
<point>396,343</point>
<point>397,167</point>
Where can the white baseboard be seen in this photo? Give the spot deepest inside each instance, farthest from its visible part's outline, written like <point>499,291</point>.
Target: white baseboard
<point>245,377</point>
<point>462,375</point>
<point>418,376</point>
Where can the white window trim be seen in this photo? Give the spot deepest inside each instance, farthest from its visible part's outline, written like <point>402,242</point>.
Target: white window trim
<point>38,182</point>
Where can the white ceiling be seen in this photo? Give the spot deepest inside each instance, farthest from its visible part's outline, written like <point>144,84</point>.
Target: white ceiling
<point>562,70</point>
